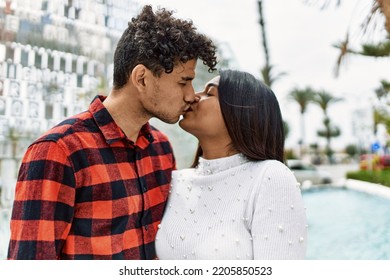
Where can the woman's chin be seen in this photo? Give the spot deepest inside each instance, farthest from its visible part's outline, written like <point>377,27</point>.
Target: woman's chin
<point>183,123</point>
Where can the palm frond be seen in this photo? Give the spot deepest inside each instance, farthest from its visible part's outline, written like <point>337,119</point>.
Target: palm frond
<point>323,4</point>
<point>303,97</point>
<point>381,49</point>
<point>325,99</point>
<point>383,91</point>
<point>343,47</point>
<point>269,77</point>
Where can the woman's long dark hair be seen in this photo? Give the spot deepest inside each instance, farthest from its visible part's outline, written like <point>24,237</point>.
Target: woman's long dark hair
<point>252,117</point>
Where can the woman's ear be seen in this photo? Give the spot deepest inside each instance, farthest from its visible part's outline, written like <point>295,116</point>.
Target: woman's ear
<point>138,76</point>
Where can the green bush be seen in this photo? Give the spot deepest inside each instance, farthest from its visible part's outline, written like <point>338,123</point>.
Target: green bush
<point>289,154</point>
<point>373,176</point>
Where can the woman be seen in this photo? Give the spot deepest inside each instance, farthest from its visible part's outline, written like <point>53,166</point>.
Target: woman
<point>238,201</point>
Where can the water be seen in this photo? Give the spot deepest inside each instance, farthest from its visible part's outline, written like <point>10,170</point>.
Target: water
<point>347,225</point>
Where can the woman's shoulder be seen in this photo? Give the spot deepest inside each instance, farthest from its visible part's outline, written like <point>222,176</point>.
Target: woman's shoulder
<point>272,169</point>
<point>270,164</point>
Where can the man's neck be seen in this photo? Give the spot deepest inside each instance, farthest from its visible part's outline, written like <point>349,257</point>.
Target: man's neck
<point>126,113</point>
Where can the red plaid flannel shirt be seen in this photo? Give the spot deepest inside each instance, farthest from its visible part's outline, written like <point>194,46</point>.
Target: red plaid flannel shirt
<point>85,191</point>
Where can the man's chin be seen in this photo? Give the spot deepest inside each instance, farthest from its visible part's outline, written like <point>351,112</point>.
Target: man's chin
<point>171,120</point>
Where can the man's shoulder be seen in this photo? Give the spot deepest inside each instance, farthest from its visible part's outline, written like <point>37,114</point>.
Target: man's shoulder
<point>69,126</point>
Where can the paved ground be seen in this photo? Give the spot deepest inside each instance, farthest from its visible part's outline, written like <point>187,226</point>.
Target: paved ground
<point>338,171</point>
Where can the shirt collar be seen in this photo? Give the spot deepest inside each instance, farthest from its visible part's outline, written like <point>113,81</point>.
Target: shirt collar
<point>111,131</point>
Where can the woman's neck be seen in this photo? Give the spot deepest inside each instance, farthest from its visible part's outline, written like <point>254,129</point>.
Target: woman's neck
<point>213,149</point>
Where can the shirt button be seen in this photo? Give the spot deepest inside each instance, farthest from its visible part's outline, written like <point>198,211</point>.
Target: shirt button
<point>146,227</point>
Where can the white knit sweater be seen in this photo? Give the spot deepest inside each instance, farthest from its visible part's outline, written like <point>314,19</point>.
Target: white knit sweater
<point>233,208</point>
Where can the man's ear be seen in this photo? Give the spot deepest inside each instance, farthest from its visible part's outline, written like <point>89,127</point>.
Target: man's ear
<point>138,76</point>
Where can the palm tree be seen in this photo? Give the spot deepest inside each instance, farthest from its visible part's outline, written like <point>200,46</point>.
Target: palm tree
<point>324,100</point>
<point>269,77</point>
<point>384,6</point>
<point>381,49</point>
<point>303,97</point>
<point>381,111</point>
<point>328,133</point>
<point>383,91</point>
<point>267,71</point>
<point>381,7</point>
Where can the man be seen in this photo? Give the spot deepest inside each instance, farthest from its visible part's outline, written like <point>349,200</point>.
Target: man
<point>95,186</point>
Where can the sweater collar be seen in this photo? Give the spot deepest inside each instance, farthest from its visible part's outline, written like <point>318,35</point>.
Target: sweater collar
<point>212,166</point>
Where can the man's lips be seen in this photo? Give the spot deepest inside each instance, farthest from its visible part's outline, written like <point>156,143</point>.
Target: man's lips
<point>186,110</point>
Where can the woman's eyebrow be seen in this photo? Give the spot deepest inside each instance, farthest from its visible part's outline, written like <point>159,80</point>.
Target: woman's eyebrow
<point>211,85</point>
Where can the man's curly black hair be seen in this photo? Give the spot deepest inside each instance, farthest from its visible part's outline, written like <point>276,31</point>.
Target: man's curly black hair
<point>159,41</point>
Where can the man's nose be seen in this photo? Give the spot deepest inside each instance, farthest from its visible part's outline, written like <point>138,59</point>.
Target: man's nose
<point>189,95</point>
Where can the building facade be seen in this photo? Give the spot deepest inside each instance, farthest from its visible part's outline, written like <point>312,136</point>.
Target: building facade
<point>55,55</point>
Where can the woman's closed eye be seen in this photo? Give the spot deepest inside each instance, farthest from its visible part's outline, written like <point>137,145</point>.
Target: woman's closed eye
<point>209,93</point>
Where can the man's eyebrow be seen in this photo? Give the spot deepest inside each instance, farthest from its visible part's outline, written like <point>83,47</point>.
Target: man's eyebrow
<point>187,78</point>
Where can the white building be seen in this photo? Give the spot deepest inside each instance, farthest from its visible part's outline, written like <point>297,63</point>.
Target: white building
<point>55,55</point>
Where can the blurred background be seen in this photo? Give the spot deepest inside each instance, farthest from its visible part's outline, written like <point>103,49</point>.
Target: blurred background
<point>328,62</point>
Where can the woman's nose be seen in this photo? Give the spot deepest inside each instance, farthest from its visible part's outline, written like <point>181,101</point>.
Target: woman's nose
<point>197,98</point>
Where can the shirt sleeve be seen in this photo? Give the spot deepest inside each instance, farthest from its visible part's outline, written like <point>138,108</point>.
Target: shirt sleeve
<point>279,220</point>
<point>44,203</point>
